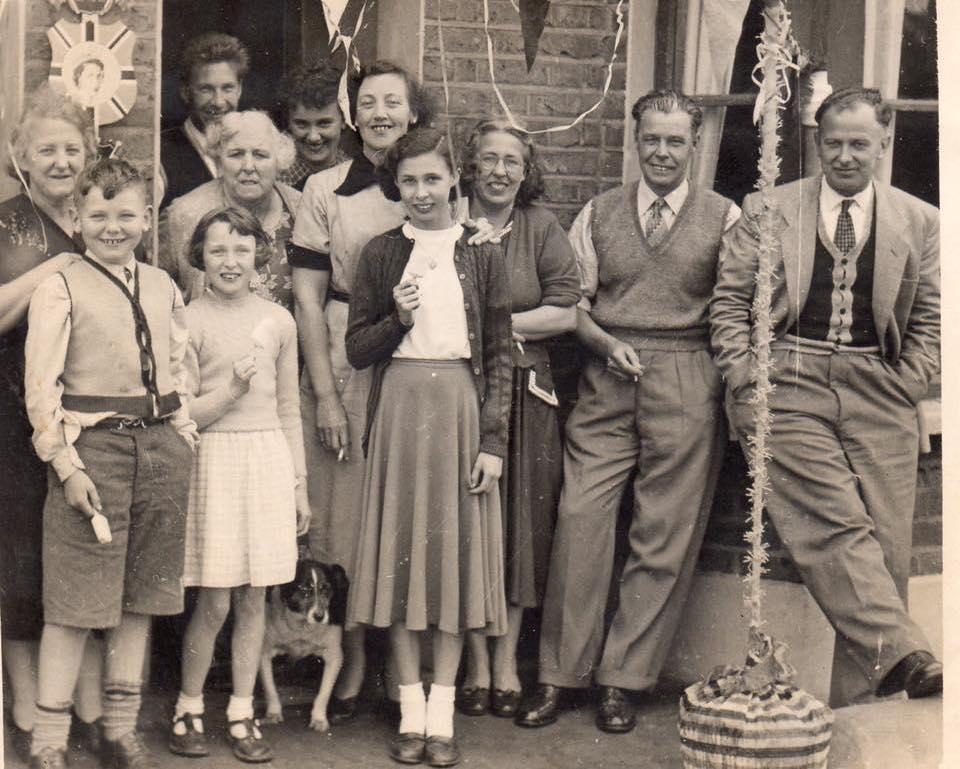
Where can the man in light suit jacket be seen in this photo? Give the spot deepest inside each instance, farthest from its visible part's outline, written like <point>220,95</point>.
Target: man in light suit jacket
<point>856,327</point>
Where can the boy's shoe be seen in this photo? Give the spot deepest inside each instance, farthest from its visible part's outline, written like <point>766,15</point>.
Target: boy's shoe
<point>192,743</point>
<point>408,748</point>
<point>340,711</point>
<point>129,752</point>
<point>85,735</point>
<point>20,739</point>
<point>49,758</point>
<point>252,748</point>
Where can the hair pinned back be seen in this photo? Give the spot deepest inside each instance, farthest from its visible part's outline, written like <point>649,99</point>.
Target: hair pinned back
<point>240,221</point>
<point>45,103</point>
<point>419,141</point>
<point>421,105</point>
<point>220,132</point>
<point>531,187</point>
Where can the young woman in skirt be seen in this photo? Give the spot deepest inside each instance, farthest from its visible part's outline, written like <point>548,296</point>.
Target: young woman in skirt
<point>431,314</point>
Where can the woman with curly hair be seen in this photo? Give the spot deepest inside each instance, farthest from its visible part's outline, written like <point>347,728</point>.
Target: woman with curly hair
<point>250,153</point>
<point>503,181</point>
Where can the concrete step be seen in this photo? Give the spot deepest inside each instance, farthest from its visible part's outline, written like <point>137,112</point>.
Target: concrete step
<point>893,734</point>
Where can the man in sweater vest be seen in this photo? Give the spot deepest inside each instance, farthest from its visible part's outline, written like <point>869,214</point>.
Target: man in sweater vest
<point>104,374</point>
<point>856,325</point>
<point>650,406</point>
<point>213,66</point>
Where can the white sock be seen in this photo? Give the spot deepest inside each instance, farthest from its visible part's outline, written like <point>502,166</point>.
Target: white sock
<point>193,706</point>
<point>413,709</point>
<point>440,711</point>
<point>238,709</point>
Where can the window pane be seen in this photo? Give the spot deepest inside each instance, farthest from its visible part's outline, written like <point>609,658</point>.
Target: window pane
<point>916,138</point>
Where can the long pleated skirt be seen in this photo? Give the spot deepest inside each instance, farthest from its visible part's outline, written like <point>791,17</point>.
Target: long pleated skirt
<point>430,554</point>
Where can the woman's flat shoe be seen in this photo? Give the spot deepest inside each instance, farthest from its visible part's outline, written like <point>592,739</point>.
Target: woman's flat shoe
<point>340,711</point>
<point>252,748</point>
<point>186,739</point>
<point>442,751</point>
<point>407,748</point>
<point>473,701</point>
<point>505,703</point>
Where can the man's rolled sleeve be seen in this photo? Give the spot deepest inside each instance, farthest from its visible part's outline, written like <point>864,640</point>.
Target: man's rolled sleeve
<point>581,239</point>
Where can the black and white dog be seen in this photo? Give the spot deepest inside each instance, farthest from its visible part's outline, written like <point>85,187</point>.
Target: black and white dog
<point>305,617</point>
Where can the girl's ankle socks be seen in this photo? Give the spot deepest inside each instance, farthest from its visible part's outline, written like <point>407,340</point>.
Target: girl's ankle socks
<point>413,709</point>
<point>440,711</point>
<point>239,709</point>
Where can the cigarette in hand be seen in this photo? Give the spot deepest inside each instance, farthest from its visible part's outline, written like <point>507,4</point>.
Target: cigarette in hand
<point>101,527</point>
<point>520,346</point>
<point>340,455</point>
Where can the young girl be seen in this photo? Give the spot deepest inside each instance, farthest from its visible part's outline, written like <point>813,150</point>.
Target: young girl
<point>248,500</point>
<point>432,315</point>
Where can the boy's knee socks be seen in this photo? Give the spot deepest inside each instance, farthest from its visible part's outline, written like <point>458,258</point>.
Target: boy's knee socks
<point>51,726</point>
<point>121,705</point>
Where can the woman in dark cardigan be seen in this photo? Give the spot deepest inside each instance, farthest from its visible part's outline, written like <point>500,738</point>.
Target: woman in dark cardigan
<point>502,179</point>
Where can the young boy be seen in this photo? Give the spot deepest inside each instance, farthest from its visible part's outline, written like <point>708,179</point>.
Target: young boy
<point>104,371</point>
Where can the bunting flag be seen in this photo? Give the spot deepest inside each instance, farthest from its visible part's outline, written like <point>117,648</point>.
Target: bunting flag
<point>92,63</point>
<point>344,21</point>
<point>533,17</point>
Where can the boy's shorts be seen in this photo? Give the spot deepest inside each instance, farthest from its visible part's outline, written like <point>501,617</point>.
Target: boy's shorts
<point>143,478</point>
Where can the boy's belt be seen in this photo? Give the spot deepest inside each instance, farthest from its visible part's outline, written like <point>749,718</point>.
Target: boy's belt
<point>133,405</point>
<point>128,423</point>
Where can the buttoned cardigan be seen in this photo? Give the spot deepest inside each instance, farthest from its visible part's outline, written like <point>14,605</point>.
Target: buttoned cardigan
<point>374,329</point>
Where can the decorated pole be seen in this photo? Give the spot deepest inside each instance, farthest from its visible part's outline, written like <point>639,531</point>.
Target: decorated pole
<point>753,716</point>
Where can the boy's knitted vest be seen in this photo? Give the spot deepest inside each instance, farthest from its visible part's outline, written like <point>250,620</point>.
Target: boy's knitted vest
<point>103,358</point>
<point>656,298</point>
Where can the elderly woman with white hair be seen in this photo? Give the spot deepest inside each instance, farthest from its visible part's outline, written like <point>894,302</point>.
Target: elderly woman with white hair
<point>250,152</point>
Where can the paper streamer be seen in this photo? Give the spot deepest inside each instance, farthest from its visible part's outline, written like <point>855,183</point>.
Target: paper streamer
<point>582,116</point>
<point>333,16</point>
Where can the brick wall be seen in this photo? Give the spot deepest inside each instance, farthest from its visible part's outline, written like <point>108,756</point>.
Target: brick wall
<point>724,548</point>
<point>135,131</point>
<point>565,81</point>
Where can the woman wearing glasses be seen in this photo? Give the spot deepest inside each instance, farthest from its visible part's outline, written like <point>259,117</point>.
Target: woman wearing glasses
<point>503,180</point>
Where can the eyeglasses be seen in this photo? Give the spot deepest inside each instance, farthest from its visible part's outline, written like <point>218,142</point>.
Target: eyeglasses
<point>512,165</point>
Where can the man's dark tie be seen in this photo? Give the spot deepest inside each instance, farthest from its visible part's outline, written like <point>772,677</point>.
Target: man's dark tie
<point>845,238</point>
<point>656,228</point>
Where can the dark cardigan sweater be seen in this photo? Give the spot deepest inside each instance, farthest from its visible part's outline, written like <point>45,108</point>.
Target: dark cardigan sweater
<point>374,329</point>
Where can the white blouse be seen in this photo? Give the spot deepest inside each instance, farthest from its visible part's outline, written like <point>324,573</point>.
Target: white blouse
<point>439,330</point>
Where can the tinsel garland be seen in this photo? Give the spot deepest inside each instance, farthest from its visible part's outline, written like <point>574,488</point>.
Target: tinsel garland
<point>777,54</point>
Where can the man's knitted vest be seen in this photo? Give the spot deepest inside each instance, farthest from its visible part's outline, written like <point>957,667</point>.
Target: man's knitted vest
<point>656,298</point>
<point>816,320</point>
<point>103,358</point>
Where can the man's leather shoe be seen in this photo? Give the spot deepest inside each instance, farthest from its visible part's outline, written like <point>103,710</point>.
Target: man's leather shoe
<point>129,752</point>
<point>919,673</point>
<point>86,735</point>
<point>616,714</point>
<point>473,701</point>
<point>49,758</point>
<point>442,751</point>
<point>540,709</point>
<point>407,747</point>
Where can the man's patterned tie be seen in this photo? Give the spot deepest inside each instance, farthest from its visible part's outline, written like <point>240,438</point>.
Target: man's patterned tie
<point>845,238</point>
<point>656,228</point>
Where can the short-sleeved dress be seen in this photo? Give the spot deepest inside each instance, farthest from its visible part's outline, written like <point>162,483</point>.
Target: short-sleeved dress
<point>241,519</point>
<point>28,237</point>
<point>341,210</point>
